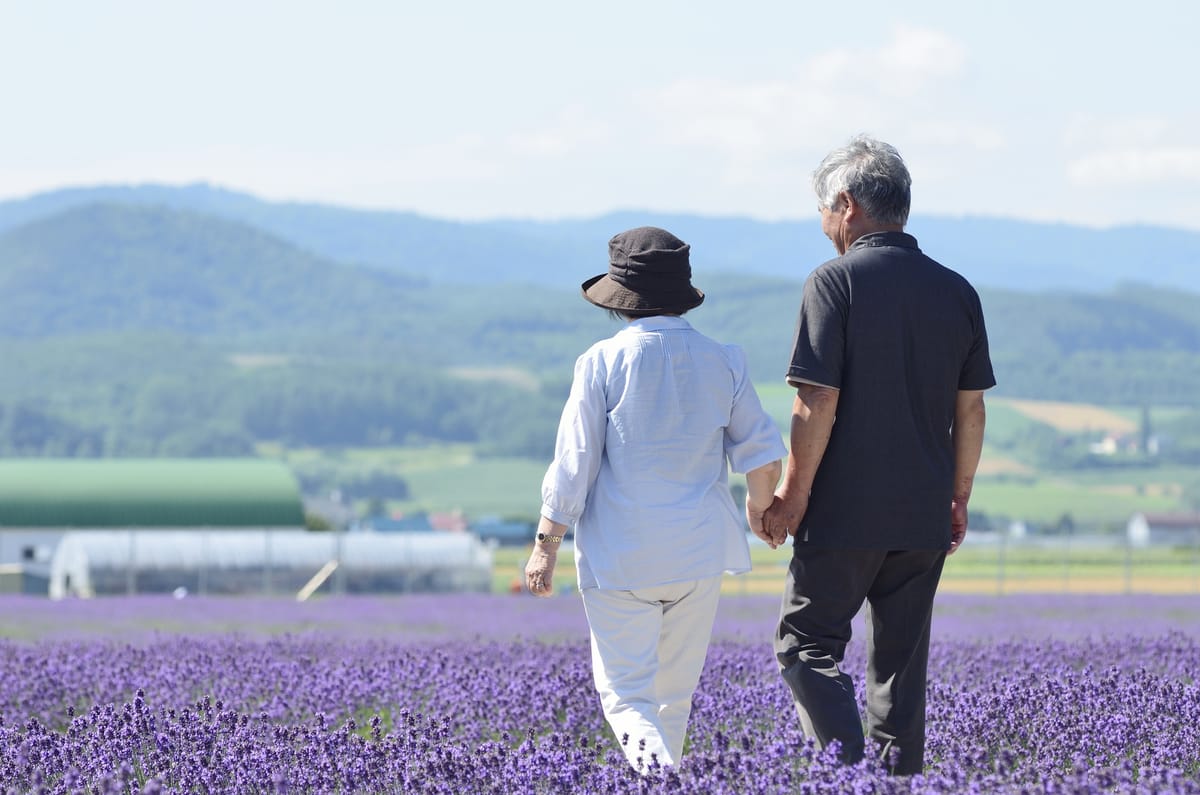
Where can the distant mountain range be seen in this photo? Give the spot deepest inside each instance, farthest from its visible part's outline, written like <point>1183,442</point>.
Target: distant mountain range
<point>1007,254</point>
<point>116,267</point>
<point>155,321</point>
<point>70,270</point>
<point>121,268</point>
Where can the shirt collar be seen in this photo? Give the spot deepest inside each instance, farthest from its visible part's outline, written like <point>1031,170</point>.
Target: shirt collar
<point>657,323</point>
<point>901,239</point>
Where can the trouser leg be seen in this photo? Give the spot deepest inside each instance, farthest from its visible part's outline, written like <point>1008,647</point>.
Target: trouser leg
<point>683,644</point>
<point>825,589</point>
<point>901,609</point>
<point>648,648</point>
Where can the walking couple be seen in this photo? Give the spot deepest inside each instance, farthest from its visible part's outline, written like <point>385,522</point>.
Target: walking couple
<point>890,344</point>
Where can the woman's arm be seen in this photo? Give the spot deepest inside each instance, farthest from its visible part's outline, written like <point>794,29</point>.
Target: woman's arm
<point>760,493</point>
<point>539,571</point>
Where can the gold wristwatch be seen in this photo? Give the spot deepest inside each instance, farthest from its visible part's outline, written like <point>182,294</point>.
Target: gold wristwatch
<point>552,539</point>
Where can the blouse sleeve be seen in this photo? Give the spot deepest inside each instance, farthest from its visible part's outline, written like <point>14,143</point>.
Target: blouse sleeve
<point>578,446</point>
<point>752,438</point>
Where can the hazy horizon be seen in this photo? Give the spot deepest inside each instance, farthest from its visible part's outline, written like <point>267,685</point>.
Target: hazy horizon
<point>470,111</point>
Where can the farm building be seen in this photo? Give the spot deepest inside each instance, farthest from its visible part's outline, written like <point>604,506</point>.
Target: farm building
<point>266,561</point>
<point>1164,529</point>
<point>83,527</point>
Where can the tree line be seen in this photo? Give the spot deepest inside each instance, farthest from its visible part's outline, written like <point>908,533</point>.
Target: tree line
<point>224,413</point>
<point>122,328</point>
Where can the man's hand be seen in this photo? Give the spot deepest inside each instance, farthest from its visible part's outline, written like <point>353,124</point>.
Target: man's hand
<point>783,518</point>
<point>539,571</point>
<point>958,524</point>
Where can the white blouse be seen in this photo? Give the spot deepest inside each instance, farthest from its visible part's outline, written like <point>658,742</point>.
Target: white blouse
<point>657,416</point>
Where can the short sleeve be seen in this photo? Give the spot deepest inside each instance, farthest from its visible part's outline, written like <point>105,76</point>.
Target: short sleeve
<point>819,351</point>
<point>977,367</point>
<point>752,438</point>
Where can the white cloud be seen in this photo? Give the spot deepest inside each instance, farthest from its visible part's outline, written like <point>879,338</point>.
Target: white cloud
<point>967,135</point>
<point>745,144</point>
<point>574,131</point>
<point>831,95</point>
<point>908,63</point>
<point>748,143</point>
<point>739,118</point>
<point>1132,166</point>
<point>1090,130</point>
<point>916,56</point>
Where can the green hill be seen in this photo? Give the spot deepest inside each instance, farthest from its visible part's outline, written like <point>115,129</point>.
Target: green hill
<point>992,252</point>
<point>106,268</point>
<point>131,329</point>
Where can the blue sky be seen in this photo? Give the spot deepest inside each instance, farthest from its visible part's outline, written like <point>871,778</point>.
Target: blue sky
<point>1080,112</point>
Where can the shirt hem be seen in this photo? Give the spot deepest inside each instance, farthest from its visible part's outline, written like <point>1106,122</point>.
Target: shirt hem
<point>671,581</point>
<point>796,381</point>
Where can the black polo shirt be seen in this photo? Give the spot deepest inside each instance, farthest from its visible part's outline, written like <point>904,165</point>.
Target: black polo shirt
<point>899,335</point>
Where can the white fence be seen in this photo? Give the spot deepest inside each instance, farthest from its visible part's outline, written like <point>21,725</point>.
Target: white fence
<point>999,563</point>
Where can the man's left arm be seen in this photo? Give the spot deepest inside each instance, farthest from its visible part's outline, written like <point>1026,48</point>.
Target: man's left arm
<point>970,417</point>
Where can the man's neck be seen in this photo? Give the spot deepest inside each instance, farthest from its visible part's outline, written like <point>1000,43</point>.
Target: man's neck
<point>870,229</point>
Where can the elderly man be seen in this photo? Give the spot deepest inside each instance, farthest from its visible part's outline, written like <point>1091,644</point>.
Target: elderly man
<point>892,345</point>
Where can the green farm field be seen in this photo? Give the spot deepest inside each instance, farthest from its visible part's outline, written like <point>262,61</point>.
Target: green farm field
<point>1008,485</point>
<point>455,477</point>
<point>980,567</point>
<point>440,477</point>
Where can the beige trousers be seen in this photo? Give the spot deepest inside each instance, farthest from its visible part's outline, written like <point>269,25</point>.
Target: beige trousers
<point>648,649</point>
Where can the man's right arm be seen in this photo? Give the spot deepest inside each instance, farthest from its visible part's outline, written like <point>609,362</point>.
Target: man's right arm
<point>970,417</point>
<point>813,413</point>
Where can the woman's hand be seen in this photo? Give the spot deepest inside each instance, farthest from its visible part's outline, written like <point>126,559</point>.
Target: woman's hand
<point>754,518</point>
<point>539,571</point>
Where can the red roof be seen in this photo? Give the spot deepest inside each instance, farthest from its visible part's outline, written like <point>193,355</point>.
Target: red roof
<point>453,521</point>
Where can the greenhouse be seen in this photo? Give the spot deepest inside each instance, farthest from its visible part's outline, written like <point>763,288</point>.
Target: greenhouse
<point>83,527</point>
<point>266,561</point>
<point>99,493</point>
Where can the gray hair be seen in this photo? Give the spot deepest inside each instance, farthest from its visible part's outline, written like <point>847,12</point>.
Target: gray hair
<point>873,173</point>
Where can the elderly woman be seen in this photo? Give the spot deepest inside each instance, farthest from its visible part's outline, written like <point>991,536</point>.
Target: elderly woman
<point>657,415</point>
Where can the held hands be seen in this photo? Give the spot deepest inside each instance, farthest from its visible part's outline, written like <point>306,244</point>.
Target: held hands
<point>778,521</point>
<point>783,518</point>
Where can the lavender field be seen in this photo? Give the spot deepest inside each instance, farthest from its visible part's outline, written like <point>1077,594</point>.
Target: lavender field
<point>470,694</point>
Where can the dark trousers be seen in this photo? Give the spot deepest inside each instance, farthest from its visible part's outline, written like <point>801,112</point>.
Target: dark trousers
<point>825,589</point>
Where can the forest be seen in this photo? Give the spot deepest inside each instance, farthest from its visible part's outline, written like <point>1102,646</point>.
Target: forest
<point>132,330</point>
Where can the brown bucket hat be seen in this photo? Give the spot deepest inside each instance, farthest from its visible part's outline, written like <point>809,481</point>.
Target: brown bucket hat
<point>648,271</point>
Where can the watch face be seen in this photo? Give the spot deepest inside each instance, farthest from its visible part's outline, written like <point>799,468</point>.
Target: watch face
<point>541,536</point>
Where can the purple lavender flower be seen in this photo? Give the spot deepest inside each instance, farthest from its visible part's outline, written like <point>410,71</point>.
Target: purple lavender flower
<point>393,695</point>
